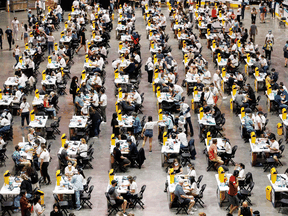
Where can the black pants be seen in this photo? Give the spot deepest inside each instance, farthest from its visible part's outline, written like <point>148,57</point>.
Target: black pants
<point>9,42</point>
<point>150,76</point>
<point>238,18</point>
<point>268,54</point>
<point>188,121</point>
<point>1,43</point>
<point>253,19</point>
<point>45,171</point>
<point>199,2</point>
<point>24,115</point>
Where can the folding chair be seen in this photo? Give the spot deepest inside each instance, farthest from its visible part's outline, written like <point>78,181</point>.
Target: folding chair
<point>111,208</point>
<point>85,197</point>
<point>246,193</point>
<point>198,198</point>
<point>138,199</point>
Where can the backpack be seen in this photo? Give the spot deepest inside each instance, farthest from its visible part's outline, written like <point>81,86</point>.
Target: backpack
<point>34,177</point>
<point>264,10</point>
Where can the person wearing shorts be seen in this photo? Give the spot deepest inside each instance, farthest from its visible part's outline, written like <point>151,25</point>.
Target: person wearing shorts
<point>213,154</point>
<point>232,193</point>
<point>115,199</point>
<point>147,132</point>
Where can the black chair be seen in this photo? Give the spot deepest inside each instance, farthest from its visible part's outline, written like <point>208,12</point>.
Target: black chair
<point>6,206</point>
<point>85,197</point>
<point>86,161</point>
<point>198,198</point>
<point>244,194</point>
<point>111,208</point>
<point>281,149</point>
<point>86,186</point>
<point>269,163</point>
<point>181,206</point>
<point>138,199</point>
<point>218,128</point>
<point>283,201</point>
<point>211,164</point>
<point>186,156</point>
<point>230,157</point>
<point>199,180</point>
<point>63,205</point>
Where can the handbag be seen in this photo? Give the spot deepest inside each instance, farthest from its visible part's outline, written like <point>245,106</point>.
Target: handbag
<point>13,41</point>
<point>13,54</point>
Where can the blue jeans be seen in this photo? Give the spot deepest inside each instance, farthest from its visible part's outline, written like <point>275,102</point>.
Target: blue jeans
<point>112,6</point>
<point>50,46</point>
<point>77,198</point>
<point>59,15</point>
<point>96,70</point>
<point>17,200</point>
<point>52,109</point>
<point>5,128</point>
<point>283,106</point>
<point>265,69</point>
<point>96,127</point>
<point>17,59</point>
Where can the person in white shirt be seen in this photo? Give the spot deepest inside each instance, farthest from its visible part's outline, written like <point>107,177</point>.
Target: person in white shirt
<point>241,168</point>
<point>137,99</point>
<point>133,189</point>
<point>8,114</point>
<point>171,77</point>
<point>136,57</point>
<point>273,146</point>
<point>185,110</point>
<point>95,99</point>
<point>38,210</point>
<point>58,77</point>
<point>24,111</point>
<point>206,77</point>
<point>58,12</point>
<point>61,61</point>
<point>269,36</point>
<point>22,81</point>
<point>103,104</point>
<point>182,138</point>
<point>263,63</point>
<point>5,123</point>
<point>258,125</point>
<point>16,26</point>
<point>234,46</point>
<point>194,189</point>
<point>217,79</point>
<point>177,88</point>
<point>103,51</point>
<point>208,97</point>
<point>69,169</point>
<point>76,4</point>
<point>147,131</point>
<point>45,158</point>
<point>191,171</point>
<point>106,18</point>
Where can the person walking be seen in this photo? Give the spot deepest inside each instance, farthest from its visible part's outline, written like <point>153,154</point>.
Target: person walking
<point>103,104</point>
<point>253,31</point>
<point>1,37</point>
<point>24,112</point>
<point>96,121</point>
<point>15,25</point>
<point>45,158</point>
<point>73,87</point>
<point>9,36</point>
<point>50,39</point>
<point>243,5</point>
<point>148,132</point>
<point>253,15</point>
<point>285,49</point>
<point>232,193</point>
<point>268,48</point>
<point>82,40</point>
<point>16,54</point>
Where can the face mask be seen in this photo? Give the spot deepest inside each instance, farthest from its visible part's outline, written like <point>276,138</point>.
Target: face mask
<point>174,130</point>
<point>176,164</point>
<point>69,165</point>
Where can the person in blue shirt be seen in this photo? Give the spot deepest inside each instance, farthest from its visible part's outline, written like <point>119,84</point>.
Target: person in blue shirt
<point>136,124</point>
<point>243,5</point>
<point>74,35</point>
<point>78,100</point>
<point>77,183</point>
<point>283,92</point>
<point>177,96</point>
<point>133,152</point>
<point>279,101</point>
<point>17,158</point>
<point>248,123</point>
<point>168,122</point>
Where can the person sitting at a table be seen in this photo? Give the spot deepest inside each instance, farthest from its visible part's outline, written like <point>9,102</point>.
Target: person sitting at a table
<point>250,95</point>
<point>283,92</point>
<point>199,85</point>
<point>194,189</point>
<point>7,113</point>
<point>274,85</point>
<point>273,146</point>
<point>31,135</point>
<point>61,62</point>
<point>22,81</point>
<point>77,183</point>
<point>53,56</point>
<point>248,123</point>
<point>216,114</point>
<point>183,198</point>
<point>82,151</point>
<point>136,99</point>
<point>137,128</point>
<point>212,152</point>
<point>133,190</point>
<point>174,133</point>
<point>53,99</point>
<point>18,95</point>
<point>65,158</point>
<point>5,123</point>
<point>48,107</point>
<point>168,120</point>
<point>279,101</point>
<point>26,185</point>
<point>177,95</point>
<point>241,168</point>
<point>62,54</point>
<point>115,199</point>
<point>133,152</point>
<point>264,64</point>
<point>206,108</point>
<point>228,152</point>
<point>69,169</point>
<point>208,97</point>
<point>7,90</point>
<point>240,99</point>
<point>130,69</point>
<point>123,161</point>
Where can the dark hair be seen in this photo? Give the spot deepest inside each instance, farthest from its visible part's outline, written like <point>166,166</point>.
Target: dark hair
<point>37,198</point>
<point>149,118</point>
<point>117,144</point>
<point>214,141</point>
<point>192,179</point>
<point>16,147</point>
<point>242,165</point>
<point>74,78</point>
<point>236,173</point>
<point>114,116</point>
<point>66,145</point>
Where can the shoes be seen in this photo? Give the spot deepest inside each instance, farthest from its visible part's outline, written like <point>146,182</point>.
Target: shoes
<point>229,214</point>
<point>194,209</point>
<point>77,209</point>
<point>191,213</point>
<point>150,151</point>
<point>48,183</point>
<point>16,210</point>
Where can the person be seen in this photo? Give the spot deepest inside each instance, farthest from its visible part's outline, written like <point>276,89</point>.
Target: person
<point>243,5</point>
<point>268,48</point>
<point>273,146</point>
<point>69,169</point>
<point>133,190</point>
<point>38,210</point>
<point>9,36</point>
<point>115,125</point>
<point>137,128</point>
<point>202,214</point>
<point>270,37</point>
<point>48,107</point>
<point>240,99</point>
<point>33,175</point>
<point>25,205</point>
<point>285,50</point>
<point>5,124</point>
<point>177,168</point>
<point>253,31</point>
<point>183,198</point>
<point>258,124</point>
<point>1,38</point>
<point>15,24</point>
<point>115,199</point>
<point>248,123</point>
<point>238,13</point>
<point>185,110</point>
<point>73,87</point>
<point>96,121</point>
<point>17,52</point>
<point>147,132</point>
<point>45,159</point>
<point>119,157</point>
<point>56,211</point>
<point>253,15</point>
<point>50,39</point>
<point>77,182</point>
<point>150,67</point>
<point>133,152</point>
<point>64,156</point>
<point>103,104</point>
<point>82,40</point>
<point>279,101</point>
<point>24,112</point>
<point>194,189</point>
<point>232,193</point>
<point>18,159</point>
<point>245,210</point>
<point>212,152</point>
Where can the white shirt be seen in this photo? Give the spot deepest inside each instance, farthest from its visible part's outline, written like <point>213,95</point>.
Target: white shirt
<point>215,91</point>
<point>133,186</point>
<point>137,58</point>
<point>58,9</point>
<point>269,37</point>
<point>76,4</point>
<point>183,139</point>
<point>149,125</point>
<point>241,174</point>
<point>15,24</point>
<point>58,77</point>
<point>217,80</point>
<point>275,145</point>
<point>5,122</point>
<point>95,100</point>
<point>2,143</point>
<point>178,88</point>
<point>208,96</point>
<point>228,148</point>
<point>39,4</point>
<point>25,107</point>
<point>258,120</point>
<point>184,107</point>
<point>137,98</point>
<point>22,81</point>
<point>171,77</point>
<point>192,173</point>
<point>206,74</point>
<point>18,95</point>
<point>69,172</point>
<point>37,208</point>
<point>263,62</point>
<point>103,98</point>
<point>62,62</point>
<point>194,188</point>
<point>98,80</point>
<point>45,156</point>
<point>83,148</point>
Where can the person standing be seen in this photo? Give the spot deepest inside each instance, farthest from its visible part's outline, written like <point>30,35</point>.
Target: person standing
<point>268,48</point>
<point>82,40</point>
<point>238,13</point>
<point>15,25</point>
<point>243,5</point>
<point>1,37</point>
<point>24,204</point>
<point>232,193</point>
<point>73,87</point>
<point>253,31</point>
<point>77,182</point>
<point>96,121</point>
<point>50,39</point>
<point>45,158</point>
<point>17,53</point>
<point>24,112</point>
<point>185,109</point>
<point>253,15</point>
<point>103,104</point>
<point>149,66</point>
<point>9,36</point>
<point>285,50</point>
<point>148,132</point>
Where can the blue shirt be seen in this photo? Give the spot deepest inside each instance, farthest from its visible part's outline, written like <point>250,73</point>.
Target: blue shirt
<point>278,99</point>
<point>137,125</point>
<point>178,192</point>
<point>79,100</point>
<point>16,156</point>
<point>77,181</point>
<point>178,97</point>
<point>248,123</point>
<point>168,122</point>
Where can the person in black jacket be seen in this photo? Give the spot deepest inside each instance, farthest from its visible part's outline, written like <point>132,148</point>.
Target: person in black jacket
<point>56,211</point>
<point>26,185</point>
<point>216,114</point>
<point>73,87</point>
<point>96,121</point>
<point>130,69</point>
<point>133,152</point>
<point>33,175</point>
<point>115,125</point>
<point>123,161</point>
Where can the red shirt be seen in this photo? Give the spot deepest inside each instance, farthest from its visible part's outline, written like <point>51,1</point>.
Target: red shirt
<point>214,13</point>
<point>46,104</point>
<point>232,190</point>
<point>211,152</point>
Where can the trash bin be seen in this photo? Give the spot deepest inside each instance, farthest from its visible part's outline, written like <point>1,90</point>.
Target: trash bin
<point>268,193</point>
<point>279,129</point>
<point>256,213</point>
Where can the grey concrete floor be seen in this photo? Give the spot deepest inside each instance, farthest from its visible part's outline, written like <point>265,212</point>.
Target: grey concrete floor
<point>152,174</point>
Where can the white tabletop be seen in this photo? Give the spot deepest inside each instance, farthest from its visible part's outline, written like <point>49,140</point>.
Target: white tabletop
<point>126,37</point>
<point>127,121</point>
<point>123,146</point>
<point>207,120</point>
<point>220,144</point>
<point>50,80</point>
<point>259,146</point>
<point>78,122</point>
<point>65,39</point>
<point>223,186</point>
<point>16,190</point>
<point>62,190</point>
<point>165,96</point>
<point>38,101</point>
<point>11,81</point>
<point>122,79</point>
<point>260,78</point>
<point>39,122</point>
<point>73,146</point>
<point>6,100</point>
<point>223,62</point>
<point>171,187</point>
<point>122,184</point>
<point>171,146</point>
<point>285,122</point>
<point>53,65</point>
<point>278,185</point>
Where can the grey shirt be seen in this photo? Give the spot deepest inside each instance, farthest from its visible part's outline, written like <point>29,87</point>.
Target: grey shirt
<point>113,194</point>
<point>239,99</point>
<point>253,29</point>
<point>178,192</point>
